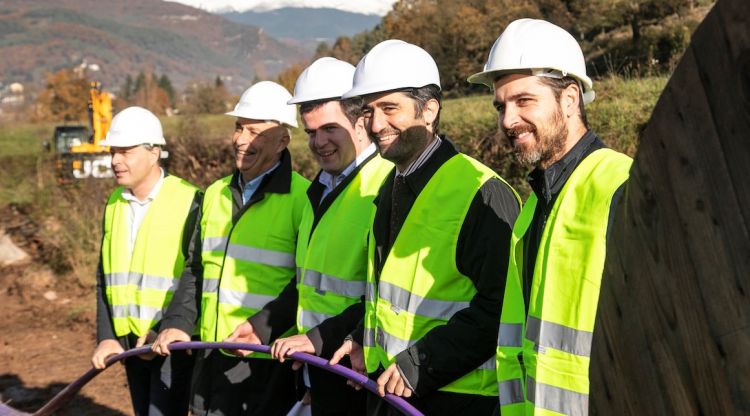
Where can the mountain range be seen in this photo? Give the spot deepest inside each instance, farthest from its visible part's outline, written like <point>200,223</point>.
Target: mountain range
<point>300,24</point>
<point>122,38</point>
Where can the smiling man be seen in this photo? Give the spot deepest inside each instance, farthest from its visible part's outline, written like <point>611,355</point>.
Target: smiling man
<point>248,231</point>
<point>437,250</point>
<point>148,222</point>
<point>538,75</point>
<point>327,298</point>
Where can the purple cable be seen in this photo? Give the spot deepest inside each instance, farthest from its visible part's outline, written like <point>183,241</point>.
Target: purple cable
<point>71,389</point>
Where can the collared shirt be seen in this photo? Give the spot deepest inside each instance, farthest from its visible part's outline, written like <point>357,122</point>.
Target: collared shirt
<point>330,182</point>
<point>138,208</point>
<point>249,188</point>
<point>416,164</point>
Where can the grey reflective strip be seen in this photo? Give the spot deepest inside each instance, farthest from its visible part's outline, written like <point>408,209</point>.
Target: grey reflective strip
<point>117,279</point>
<point>370,292</point>
<point>510,335</point>
<point>402,299</point>
<point>488,365</point>
<point>311,319</point>
<point>261,256</point>
<point>245,300</point>
<point>551,335</point>
<point>510,392</point>
<point>210,285</point>
<point>298,275</point>
<point>140,312</point>
<point>214,243</point>
<point>391,343</point>
<point>369,339</point>
<point>143,281</point>
<point>557,399</point>
<point>337,285</point>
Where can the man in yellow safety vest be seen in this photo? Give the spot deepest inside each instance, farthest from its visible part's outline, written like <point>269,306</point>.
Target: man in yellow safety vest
<point>437,251</point>
<point>148,223</point>
<point>538,75</point>
<point>248,234</point>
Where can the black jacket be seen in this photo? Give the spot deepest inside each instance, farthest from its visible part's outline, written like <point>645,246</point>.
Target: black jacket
<point>469,338</point>
<point>190,243</point>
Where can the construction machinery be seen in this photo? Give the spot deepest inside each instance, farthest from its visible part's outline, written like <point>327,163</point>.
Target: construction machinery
<point>80,154</point>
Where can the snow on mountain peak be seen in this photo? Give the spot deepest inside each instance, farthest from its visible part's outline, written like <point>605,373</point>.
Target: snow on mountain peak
<point>377,7</point>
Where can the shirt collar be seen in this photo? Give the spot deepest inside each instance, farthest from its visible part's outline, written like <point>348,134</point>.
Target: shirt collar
<point>418,162</point>
<point>331,181</point>
<point>548,182</point>
<point>128,195</point>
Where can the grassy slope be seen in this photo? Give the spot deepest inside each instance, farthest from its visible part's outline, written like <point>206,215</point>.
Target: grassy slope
<point>27,179</point>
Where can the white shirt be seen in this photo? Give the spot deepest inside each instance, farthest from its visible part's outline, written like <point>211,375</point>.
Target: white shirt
<point>138,208</point>
<point>330,182</point>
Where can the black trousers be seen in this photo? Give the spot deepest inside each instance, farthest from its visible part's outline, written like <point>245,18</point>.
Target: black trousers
<point>438,403</point>
<point>160,387</point>
<point>230,386</point>
<point>331,396</point>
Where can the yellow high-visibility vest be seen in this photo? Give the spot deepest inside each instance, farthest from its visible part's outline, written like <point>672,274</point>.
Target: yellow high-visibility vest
<point>139,287</point>
<point>420,287</point>
<point>333,262</point>
<point>543,357</point>
<point>246,264</point>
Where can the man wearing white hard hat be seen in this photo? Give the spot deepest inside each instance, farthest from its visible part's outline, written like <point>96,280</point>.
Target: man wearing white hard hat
<point>148,223</point>
<point>438,247</point>
<point>248,232</point>
<point>326,302</point>
<point>538,74</point>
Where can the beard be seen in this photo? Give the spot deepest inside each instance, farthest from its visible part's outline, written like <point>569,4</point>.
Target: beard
<point>405,147</point>
<point>549,141</point>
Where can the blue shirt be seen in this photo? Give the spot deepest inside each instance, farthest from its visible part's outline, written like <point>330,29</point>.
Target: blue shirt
<point>249,188</point>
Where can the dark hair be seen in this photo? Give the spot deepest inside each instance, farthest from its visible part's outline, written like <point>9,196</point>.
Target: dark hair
<point>351,107</point>
<point>559,84</point>
<point>423,94</point>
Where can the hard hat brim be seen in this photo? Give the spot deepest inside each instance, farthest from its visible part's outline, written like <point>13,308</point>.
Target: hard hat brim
<point>244,115</point>
<point>488,78</point>
<point>311,98</point>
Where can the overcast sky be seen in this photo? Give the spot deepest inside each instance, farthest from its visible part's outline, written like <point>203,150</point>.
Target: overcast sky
<point>379,7</point>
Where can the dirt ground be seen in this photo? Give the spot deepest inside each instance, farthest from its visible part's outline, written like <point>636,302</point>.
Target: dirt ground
<point>47,335</point>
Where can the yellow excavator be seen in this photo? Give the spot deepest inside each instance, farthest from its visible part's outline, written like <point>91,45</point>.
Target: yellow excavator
<point>80,154</point>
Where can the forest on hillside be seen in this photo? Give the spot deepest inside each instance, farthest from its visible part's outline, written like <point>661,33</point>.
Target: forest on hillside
<point>622,37</point>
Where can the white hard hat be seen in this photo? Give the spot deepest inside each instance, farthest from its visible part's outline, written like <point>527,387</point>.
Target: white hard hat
<point>326,78</point>
<point>134,126</point>
<point>266,100</point>
<point>391,65</point>
<point>537,46</point>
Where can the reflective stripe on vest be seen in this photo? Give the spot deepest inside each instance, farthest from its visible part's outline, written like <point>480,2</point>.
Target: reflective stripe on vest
<point>555,338</point>
<point>248,263</point>
<point>420,287</point>
<point>138,286</point>
<point>334,259</point>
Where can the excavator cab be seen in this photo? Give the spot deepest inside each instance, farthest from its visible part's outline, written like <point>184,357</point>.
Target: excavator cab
<point>80,154</point>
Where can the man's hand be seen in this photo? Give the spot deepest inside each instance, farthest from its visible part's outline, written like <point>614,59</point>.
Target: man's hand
<point>392,382</point>
<point>356,357</point>
<point>243,333</point>
<point>288,346</point>
<point>166,337</point>
<point>148,338</point>
<point>104,350</point>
